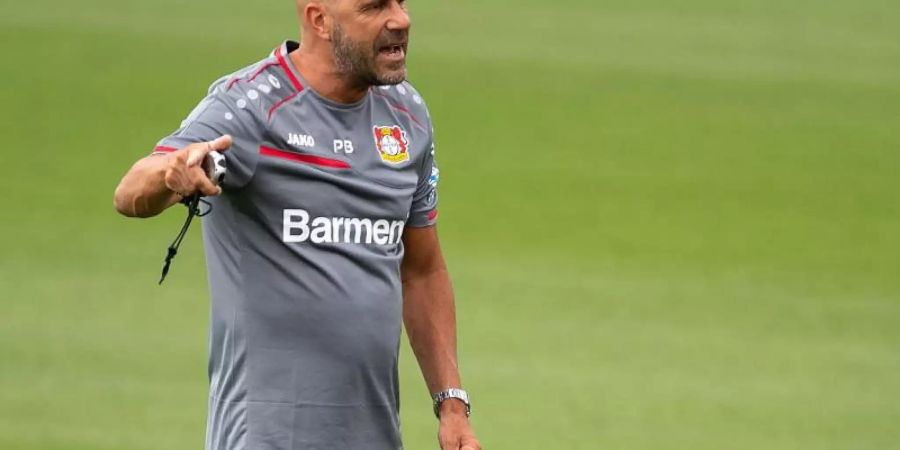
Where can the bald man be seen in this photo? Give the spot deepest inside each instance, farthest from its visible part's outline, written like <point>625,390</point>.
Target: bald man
<point>322,241</point>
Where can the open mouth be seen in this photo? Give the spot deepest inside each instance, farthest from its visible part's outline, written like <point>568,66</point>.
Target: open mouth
<point>393,51</point>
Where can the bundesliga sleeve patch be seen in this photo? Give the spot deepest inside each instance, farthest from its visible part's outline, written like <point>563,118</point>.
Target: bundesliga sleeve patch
<point>392,144</point>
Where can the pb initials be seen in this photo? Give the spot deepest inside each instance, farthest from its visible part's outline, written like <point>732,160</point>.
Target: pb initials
<point>343,145</point>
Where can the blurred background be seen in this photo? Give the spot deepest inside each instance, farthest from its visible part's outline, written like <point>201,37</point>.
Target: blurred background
<point>671,225</point>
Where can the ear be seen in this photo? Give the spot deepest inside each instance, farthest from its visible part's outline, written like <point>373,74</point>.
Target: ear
<point>316,18</point>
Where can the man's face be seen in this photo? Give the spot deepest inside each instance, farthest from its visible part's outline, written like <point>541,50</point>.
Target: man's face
<point>369,40</point>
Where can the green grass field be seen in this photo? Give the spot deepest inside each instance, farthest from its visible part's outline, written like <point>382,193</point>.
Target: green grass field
<point>671,225</point>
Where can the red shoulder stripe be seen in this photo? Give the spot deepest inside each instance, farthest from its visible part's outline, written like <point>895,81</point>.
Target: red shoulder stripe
<point>261,69</point>
<point>252,76</point>
<point>287,70</point>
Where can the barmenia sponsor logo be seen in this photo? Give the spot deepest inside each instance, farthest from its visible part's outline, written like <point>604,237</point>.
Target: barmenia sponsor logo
<point>300,227</point>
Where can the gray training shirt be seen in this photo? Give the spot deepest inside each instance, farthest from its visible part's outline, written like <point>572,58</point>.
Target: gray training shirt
<point>303,250</point>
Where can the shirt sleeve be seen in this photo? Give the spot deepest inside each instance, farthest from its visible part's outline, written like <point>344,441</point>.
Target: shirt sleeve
<point>423,212</point>
<point>223,112</point>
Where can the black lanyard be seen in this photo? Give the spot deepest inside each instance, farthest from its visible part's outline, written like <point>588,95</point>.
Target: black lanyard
<point>193,206</point>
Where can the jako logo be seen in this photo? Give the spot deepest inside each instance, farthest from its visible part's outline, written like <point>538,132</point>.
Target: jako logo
<point>326,230</point>
<point>301,140</point>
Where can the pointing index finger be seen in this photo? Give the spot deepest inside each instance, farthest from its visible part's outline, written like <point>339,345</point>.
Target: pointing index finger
<point>219,144</point>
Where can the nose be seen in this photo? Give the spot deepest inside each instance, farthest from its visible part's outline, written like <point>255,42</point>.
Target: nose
<point>399,19</point>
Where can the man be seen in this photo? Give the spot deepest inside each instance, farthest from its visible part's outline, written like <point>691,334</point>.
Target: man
<point>321,238</point>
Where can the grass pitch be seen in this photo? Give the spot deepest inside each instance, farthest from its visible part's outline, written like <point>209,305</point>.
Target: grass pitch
<point>670,225</point>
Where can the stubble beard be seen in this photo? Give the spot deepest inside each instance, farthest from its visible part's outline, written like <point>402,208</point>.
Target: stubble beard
<point>357,62</point>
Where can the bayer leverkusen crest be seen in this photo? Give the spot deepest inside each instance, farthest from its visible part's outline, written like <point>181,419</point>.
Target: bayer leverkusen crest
<point>392,144</point>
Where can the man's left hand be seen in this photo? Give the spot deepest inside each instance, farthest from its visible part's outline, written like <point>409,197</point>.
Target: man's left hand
<point>455,432</point>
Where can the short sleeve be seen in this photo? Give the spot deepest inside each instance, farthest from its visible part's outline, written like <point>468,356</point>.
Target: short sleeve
<point>423,212</point>
<point>223,112</point>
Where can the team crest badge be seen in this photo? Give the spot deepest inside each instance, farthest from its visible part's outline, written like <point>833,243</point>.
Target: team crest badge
<point>392,144</point>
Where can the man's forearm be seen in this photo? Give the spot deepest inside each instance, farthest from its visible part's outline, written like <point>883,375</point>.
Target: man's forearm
<point>143,192</point>
<point>429,313</point>
<point>430,317</point>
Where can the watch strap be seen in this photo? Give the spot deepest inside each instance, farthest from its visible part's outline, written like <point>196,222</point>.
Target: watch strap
<point>448,394</point>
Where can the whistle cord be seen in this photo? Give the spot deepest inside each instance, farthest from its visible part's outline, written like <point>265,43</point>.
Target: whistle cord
<point>193,206</point>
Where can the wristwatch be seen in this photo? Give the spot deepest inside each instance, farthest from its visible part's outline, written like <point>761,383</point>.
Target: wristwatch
<point>451,393</point>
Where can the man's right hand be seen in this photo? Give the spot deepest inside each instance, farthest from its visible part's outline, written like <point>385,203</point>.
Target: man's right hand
<point>157,182</point>
<point>184,169</point>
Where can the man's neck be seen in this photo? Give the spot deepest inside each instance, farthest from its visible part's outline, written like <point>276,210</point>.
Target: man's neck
<point>318,69</point>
